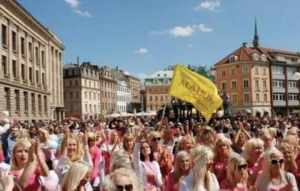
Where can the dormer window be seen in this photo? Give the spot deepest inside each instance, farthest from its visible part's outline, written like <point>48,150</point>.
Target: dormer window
<point>263,58</point>
<point>255,57</point>
<point>233,58</point>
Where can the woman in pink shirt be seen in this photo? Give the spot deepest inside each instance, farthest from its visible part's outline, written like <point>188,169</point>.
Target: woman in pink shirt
<point>28,164</point>
<point>223,151</point>
<point>182,167</point>
<point>237,175</point>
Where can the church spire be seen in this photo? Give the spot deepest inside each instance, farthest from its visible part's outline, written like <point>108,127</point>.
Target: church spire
<point>256,37</point>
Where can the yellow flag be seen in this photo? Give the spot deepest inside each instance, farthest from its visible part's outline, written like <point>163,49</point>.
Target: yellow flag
<point>195,89</point>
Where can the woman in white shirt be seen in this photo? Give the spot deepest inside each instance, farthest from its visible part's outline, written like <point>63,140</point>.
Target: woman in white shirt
<point>201,178</point>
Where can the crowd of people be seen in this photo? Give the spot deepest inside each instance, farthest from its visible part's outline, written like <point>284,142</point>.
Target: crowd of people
<point>236,153</point>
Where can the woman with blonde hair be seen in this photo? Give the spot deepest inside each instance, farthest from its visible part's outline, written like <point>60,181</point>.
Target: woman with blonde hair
<point>77,177</point>
<point>273,176</point>
<point>222,154</point>
<point>71,151</point>
<point>27,165</point>
<point>253,150</point>
<point>122,179</point>
<point>200,178</point>
<point>237,174</point>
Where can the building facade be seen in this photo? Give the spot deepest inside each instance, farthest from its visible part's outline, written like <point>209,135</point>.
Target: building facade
<point>31,77</point>
<point>135,88</point>
<point>82,91</point>
<point>260,79</point>
<point>108,86</point>
<point>156,90</point>
<point>123,96</point>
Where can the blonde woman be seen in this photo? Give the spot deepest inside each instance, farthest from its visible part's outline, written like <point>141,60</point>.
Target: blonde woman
<point>72,150</point>
<point>273,176</point>
<point>237,174</point>
<point>200,178</point>
<point>222,154</point>
<point>77,177</point>
<point>122,179</point>
<point>28,164</point>
<point>253,150</point>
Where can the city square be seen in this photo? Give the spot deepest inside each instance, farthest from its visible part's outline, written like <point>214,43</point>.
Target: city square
<point>200,95</point>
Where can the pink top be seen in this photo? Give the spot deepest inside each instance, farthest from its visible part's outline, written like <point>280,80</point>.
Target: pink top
<point>220,170</point>
<point>33,180</point>
<point>170,184</point>
<point>225,186</point>
<point>96,156</point>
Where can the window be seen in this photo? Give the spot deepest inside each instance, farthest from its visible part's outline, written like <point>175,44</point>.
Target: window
<point>43,59</point>
<point>25,102</point>
<point>23,72</point>
<point>256,71</point>
<point>278,97</point>
<point>37,77</point>
<point>257,98</point>
<point>264,71</point>
<point>233,85</point>
<point>71,95</point>
<point>245,69</point>
<point>223,73</point>
<point>292,84</point>
<point>293,96</point>
<point>14,68</point>
<point>257,85</point>
<point>265,98</point>
<point>246,84</point>
<point>14,41</point>
<point>246,98</point>
<point>4,65</point>
<point>45,105</point>
<point>86,108</point>
<point>17,94</point>
<point>156,98</point>
<point>33,102</point>
<point>30,75</point>
<point>233,72</point>
<point>40,103</point>
<point>150,98</point>
<point>43,79</point>
<point>264,84</point>
<point>224,86</point>
<point>37,61</point>
<point>7,98</point>
<point>23,46</point>
<point>234,99</point>
<point>30,50</point>
<point>4,36</point>
<point>161,98</point>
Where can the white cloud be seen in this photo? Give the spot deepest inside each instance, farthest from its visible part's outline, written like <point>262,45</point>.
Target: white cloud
<point>210,5</point>
<point>83,13</point>
<point>74,4</point>
<point>189,30</point>
<point>141,51</point>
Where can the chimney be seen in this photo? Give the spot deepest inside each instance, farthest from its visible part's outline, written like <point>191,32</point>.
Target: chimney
<point>244,44</point>
<point>78,62</point>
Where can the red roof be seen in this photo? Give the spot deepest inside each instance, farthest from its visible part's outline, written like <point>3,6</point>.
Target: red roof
<point>244,54</point>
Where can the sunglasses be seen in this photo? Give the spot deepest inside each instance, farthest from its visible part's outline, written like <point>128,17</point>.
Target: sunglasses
<point>274,162</point>
<point>156,139</point>
<point>128,187</point>
<point>242,166</point>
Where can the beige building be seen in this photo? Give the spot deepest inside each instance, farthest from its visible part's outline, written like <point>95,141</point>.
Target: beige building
<point>108,86</point>
<point>156,90</point>
<point>31,82</point>
<point>82,91</point>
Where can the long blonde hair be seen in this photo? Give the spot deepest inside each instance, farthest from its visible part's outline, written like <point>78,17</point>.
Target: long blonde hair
<point>79,148</point>
<point>77,172</point>
<point>20,143</point>
<point>201,155</point>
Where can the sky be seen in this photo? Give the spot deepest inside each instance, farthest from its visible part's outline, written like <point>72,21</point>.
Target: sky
<point>143,36</point>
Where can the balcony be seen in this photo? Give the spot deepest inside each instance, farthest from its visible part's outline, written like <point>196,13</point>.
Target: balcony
<point>279,103</point>
<point>293,102</point>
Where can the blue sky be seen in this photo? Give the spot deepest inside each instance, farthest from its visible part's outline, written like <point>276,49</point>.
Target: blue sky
<point>142,36</point>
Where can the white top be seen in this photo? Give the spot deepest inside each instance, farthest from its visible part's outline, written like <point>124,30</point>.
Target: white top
<point>186,184</point>
<point>262,184</point>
